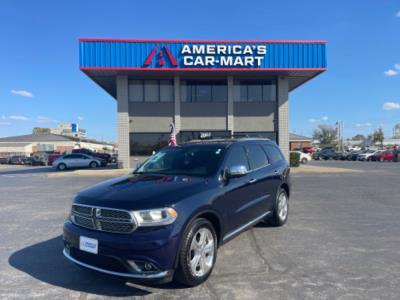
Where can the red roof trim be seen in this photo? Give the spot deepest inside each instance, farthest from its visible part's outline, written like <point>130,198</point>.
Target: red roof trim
<point>202,69</point>
<point>204,41</point>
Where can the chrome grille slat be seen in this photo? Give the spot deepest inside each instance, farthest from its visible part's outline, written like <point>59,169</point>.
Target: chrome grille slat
<point>103,219</point>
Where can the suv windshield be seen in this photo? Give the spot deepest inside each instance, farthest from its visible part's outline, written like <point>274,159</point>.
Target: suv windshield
<point>196,160</point>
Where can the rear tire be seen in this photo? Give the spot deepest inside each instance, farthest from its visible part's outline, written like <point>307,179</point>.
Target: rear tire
<point>304,161</point>
<point>281,210</point>
<point>197,254</point>
<point>62,167</point>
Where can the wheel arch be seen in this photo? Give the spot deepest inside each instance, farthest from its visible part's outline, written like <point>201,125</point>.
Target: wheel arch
<point>286,187</point>
<point>209,215</point>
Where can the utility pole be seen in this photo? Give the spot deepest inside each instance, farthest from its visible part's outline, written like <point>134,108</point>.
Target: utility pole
<point>339,130</point>
<point>341,136</point>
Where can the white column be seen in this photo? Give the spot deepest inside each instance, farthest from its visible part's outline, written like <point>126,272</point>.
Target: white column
<point>283,115</point>
<point>177,103</point>
<point>123,121</point>
<point>229,117</point>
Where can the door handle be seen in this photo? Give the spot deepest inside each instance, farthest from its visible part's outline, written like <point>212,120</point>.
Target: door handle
<point>276,172</point>
<point>252,180</point>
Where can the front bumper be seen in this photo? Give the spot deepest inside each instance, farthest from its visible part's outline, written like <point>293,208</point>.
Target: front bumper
<point>116,252</point>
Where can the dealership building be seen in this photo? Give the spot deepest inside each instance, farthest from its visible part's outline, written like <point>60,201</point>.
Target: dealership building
<point>206,88</point>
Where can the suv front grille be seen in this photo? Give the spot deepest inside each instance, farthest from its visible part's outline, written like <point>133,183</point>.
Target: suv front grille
<point>103,219</point>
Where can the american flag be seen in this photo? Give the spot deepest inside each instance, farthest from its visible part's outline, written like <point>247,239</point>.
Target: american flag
<point>172,136</point>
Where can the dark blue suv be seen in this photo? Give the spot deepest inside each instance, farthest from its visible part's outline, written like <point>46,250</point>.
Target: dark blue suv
<point>167,219</point>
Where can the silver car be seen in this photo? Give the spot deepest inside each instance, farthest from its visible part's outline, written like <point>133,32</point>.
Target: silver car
<point>76,160</point>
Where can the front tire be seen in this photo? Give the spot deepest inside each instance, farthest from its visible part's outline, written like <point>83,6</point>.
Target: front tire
<point>281,210</point>
<point>62,167</point>
<point>197,254</point>
<point>93,164</point>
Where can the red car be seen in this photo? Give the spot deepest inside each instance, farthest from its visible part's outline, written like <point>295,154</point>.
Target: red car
<point>308,150</point>
<point>51,158</point>
<point>383,156</point>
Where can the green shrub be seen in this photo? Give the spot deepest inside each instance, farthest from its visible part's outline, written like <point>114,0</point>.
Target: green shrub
<point>294,159</point>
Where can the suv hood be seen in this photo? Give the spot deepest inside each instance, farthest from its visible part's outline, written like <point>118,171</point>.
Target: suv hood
<point>141,191</point>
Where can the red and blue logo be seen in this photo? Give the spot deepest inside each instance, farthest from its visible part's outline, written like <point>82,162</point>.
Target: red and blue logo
<point>160,52</point>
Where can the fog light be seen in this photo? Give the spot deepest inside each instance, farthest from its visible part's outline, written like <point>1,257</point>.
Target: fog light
<point>148,266</point>
<point>142,266</point>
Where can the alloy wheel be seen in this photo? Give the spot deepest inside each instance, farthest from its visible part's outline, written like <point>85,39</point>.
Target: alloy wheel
<point>201,254</point>
<point>282,206</point>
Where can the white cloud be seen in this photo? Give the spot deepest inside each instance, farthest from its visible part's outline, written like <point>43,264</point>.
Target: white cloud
<point>320,120</point>
<point>5,123</point>
<point>43,119</point>
<point>79,118</point>
<point>22,93</point>
<point>390,73</point>
<point>391,105</point>
<point>366,124</point>
<point>18,118</point>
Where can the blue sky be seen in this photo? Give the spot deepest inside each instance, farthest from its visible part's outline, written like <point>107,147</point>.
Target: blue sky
<point>40,81</point>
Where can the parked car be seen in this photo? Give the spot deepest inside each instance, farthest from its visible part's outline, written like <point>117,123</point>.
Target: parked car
<point>114,158</point>
<point>41,158</point>
<point>309,150</point>
<point>167,219</point>
<point>355,148</point>
<point>304,157</point>
<point>386,155</point>
<point>367,155</point>
<point>51,158</point>
<point>104,156</point>
<point>74,160</point>
<point>327,153</point>
<point>18,160</point>
<point>353,155</point>
<point>3,160</point>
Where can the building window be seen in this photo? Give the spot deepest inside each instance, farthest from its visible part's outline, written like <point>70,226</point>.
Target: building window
<point>136,90</point>
<point>166,91</point>
<point>145,143</point>
<point>204,91</point>
<point>253,91</point>
<point>151,91</point>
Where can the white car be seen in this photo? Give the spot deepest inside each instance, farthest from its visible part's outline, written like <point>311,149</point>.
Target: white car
<point>76,160</point>
<point>304,157</point>
<point>368,155</point>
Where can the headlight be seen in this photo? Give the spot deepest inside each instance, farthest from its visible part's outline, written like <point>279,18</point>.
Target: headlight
<point>155,217</point>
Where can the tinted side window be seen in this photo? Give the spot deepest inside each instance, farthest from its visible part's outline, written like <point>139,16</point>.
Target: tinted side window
<point>273,153</point>
<point>256,156</point>
<point>237,156</point>
<point>67,157</point>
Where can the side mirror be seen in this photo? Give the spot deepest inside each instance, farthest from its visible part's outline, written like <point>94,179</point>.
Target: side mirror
<point>236,171</point>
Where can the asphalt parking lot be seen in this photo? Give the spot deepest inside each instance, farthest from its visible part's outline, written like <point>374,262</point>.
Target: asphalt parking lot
<point>342,241</point>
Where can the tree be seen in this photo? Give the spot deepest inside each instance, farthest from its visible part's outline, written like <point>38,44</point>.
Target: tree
<point>358,137</point>
<point>327,135</point>
<point>378,136</point>
<point>40,130</point>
